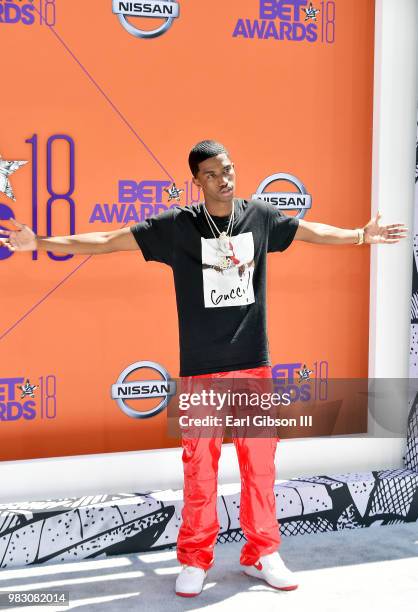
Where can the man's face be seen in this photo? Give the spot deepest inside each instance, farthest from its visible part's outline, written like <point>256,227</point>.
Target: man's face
<point>216,177</point>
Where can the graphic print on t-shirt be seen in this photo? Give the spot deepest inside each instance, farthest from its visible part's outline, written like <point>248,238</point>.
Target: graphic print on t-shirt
<point>232,286</point>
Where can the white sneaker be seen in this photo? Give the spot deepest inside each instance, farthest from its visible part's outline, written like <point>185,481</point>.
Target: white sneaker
<point>272,570</point>
<point>189,582</point>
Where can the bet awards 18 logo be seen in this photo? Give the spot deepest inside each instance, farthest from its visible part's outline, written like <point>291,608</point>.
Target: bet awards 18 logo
<point>140,199</point>
<point>63,194</point>
<point>290,20</point>
<point>21,399</point>
<point>295,379</point>
<point>28,12</point>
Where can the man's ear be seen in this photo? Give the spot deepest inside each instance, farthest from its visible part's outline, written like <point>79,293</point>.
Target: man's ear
<point>196,182</point>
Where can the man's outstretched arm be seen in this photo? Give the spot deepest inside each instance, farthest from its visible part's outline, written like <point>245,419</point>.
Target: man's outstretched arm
<point>92,243</point>
<point>372,232</point>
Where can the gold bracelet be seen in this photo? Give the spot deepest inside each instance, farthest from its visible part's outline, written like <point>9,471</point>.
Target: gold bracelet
<point>360,236</point>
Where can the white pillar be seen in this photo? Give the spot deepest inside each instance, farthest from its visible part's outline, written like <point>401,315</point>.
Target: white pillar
<point>394,129</point>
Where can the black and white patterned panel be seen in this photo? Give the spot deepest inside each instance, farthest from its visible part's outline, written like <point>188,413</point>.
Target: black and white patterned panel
<point>411,455</point>
<point>83,528</point>
<point>413,352</point>
<point>90,527</point>
<point>410,458</point>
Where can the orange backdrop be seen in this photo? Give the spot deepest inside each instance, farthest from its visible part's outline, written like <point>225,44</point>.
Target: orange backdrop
<point>132,109</point>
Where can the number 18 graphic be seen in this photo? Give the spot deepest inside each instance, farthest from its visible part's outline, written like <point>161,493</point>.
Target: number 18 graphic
<point>55,198</point>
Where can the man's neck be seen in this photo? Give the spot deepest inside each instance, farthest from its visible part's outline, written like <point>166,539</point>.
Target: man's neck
<point>219,209</point>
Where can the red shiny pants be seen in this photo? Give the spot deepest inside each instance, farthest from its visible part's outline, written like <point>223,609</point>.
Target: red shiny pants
<point>200,526</point>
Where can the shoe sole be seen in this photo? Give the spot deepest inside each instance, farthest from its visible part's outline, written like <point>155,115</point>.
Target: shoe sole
<point>285,588</point>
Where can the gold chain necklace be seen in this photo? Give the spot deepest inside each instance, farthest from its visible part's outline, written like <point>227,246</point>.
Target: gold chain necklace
<point>223,238</point>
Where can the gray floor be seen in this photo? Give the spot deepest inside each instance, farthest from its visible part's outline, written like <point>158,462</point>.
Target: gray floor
<point>373,569</point>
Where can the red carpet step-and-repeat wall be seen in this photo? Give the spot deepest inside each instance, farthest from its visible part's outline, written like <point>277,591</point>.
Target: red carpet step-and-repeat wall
<point>103,101</point>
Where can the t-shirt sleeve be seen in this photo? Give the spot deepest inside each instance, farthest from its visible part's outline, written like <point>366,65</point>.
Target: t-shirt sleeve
<point>155,236</point>
<point>281,229</point>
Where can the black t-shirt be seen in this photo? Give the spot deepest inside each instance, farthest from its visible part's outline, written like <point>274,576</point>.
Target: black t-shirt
<point>221,301</point>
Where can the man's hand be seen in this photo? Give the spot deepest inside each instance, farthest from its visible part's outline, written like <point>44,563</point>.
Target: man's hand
<point>21,239</point>
<point>383,234</point>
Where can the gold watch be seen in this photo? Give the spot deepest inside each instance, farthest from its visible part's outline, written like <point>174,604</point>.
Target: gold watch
<point>360,236</point>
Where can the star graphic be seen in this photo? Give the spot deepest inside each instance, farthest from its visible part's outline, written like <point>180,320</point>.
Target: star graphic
<point>27,389</point>
<point>173,192</point>
<point>6,169</point>
<point>311,12</point>
<point>304,373</point>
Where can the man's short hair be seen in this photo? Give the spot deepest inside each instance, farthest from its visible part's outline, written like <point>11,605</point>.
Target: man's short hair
<point>203,150</point>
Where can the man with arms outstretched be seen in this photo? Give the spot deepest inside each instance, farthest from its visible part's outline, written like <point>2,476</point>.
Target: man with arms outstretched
<point>217,251</point>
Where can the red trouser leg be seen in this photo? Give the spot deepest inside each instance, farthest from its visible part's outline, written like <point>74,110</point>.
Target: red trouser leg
<point>258,503</point>
<point>200,526</point>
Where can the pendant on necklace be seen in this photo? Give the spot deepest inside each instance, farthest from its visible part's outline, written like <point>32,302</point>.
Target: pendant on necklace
<point>224,262</point>
<point>224,251</point>
<point>224,243</point>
